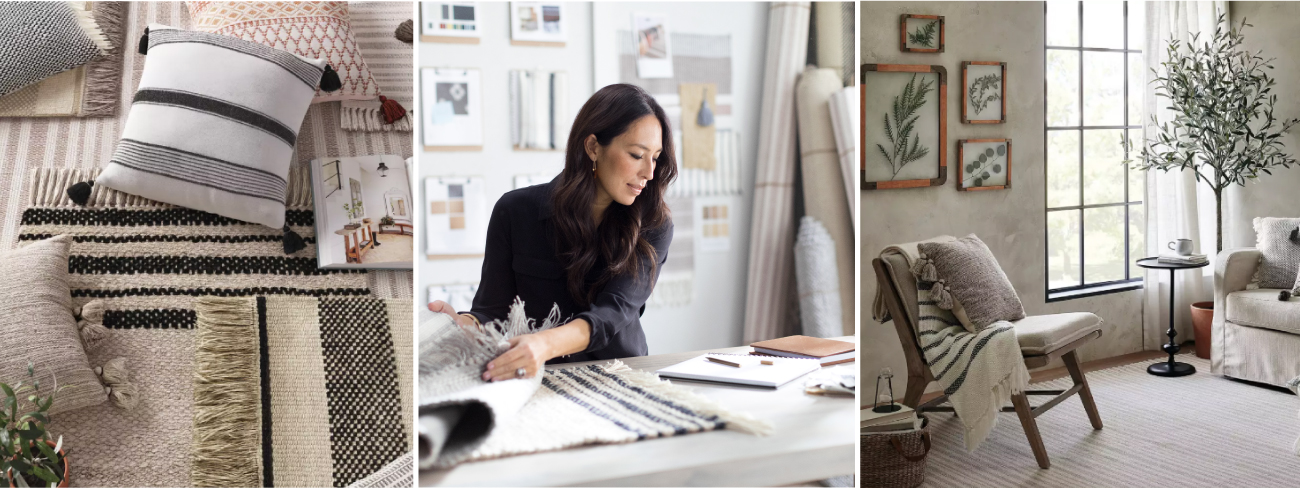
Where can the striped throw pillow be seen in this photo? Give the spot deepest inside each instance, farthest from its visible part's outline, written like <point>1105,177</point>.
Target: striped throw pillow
<point>213,124</point>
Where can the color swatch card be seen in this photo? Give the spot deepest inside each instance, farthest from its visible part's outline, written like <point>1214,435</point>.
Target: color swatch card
<point>742,370</point>
<point>453,19</point>
<point>456,216</point>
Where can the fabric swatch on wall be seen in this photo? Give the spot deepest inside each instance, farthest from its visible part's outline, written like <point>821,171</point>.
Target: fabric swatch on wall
<point>676,284</point>
<point>724,179</point>
<point>539,109</point>
<point>699,132</point>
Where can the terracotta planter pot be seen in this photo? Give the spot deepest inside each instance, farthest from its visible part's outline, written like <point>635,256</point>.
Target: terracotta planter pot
<point>1202,321</point>
<point>62,454</point>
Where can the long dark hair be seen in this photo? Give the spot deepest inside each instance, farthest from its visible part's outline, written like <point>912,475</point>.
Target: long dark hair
<point>621,237</point>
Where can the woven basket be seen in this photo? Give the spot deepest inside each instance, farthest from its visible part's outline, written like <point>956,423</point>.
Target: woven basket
<point>895,459</point>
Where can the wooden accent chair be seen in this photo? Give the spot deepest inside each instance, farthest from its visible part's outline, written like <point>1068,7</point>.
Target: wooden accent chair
<point>1042,338</point>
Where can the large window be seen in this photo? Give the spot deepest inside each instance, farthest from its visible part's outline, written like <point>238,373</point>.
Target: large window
<point>1095,221</point>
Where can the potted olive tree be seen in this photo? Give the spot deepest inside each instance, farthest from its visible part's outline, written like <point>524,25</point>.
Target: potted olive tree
<point>1223,129</point>
<point>28,457</point>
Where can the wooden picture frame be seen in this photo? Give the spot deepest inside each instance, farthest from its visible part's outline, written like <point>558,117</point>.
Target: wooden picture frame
<point>970,168</point>
<point>978,72</point>
<point>906,37</point>
<point>872,110</point>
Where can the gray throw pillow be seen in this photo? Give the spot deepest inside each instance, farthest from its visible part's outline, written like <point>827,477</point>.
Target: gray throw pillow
<point>1278,241</point>
<point>967,270</point>
<point>37,325</point>
<point>41,39</point>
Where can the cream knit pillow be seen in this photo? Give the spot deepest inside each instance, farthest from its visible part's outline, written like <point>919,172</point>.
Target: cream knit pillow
<point>39,326</point>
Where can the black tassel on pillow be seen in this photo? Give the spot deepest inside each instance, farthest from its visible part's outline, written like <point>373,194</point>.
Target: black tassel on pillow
<point>292,241</point>
<point>1295,235</point>
<point>1284,295</point>
<point>330,80</point>
<point>79,193</point>
<point>144,42</point>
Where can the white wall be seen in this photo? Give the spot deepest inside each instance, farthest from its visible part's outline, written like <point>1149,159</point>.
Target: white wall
<point>716,314</point>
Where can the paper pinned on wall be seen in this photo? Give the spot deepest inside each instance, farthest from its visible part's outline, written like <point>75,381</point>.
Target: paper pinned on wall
<point>654,53</point>
<point>456,216</point>
<point>525,181</point>
<point>698,140</point>
<point>698,58</point>
<point>459,296</point>
<point>449,22</point>
<point>452,103</point>
<point>676,284</point>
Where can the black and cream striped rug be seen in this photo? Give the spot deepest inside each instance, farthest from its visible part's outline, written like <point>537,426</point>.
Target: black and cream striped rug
<point>148,261</point>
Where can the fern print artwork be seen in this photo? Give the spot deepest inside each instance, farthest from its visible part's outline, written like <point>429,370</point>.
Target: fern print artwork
<point>983,91</point>
<point>900,126</point>
<point>924,35</point>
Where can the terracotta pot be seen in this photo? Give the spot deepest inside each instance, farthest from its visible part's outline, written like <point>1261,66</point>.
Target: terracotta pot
<point>1202,322</point>
<point>62,454</point>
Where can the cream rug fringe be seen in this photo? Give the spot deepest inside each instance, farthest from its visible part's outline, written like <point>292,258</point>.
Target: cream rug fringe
<point>49,188</point>
<point>86,20</point>
<point>101,95</point>
<point>366,115</point>
<point>227,395</point>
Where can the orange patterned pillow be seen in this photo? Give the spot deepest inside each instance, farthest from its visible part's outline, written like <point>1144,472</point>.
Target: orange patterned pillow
<point>309,29</point>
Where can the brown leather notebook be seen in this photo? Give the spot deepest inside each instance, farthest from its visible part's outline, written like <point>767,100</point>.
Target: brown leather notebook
<point>827,350</point>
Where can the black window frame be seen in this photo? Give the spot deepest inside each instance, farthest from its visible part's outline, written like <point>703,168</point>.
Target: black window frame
<point>1085,289</point>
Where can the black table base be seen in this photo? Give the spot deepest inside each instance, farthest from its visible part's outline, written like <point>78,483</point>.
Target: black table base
<point>1171,369</point>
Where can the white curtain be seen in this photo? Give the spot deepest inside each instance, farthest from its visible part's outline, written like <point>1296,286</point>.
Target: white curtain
<point>1177,206</point>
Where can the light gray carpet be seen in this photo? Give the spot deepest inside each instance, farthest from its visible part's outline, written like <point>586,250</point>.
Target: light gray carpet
<point>1199,430</point>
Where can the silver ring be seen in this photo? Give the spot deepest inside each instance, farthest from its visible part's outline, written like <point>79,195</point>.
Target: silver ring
<point>519,373</point>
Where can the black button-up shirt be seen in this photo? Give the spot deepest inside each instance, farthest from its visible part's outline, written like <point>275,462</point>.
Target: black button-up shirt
<point>520,260</point>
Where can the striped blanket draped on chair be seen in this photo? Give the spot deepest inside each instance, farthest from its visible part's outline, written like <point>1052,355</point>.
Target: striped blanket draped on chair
<point>979,371</point>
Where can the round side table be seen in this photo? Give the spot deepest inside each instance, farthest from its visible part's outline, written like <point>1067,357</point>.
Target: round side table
<point>1171,367</point>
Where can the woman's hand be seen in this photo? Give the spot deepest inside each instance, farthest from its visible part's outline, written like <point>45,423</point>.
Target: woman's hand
<point>464,321</point>
<point>529,352</point>
<point>532,351</point>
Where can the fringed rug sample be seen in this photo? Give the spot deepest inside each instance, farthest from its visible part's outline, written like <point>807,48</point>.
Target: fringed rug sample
<point>148,261</point>
<point>90,90</point>
<point>595,404</point>
<point>293,391</point>
<point>390,62</point>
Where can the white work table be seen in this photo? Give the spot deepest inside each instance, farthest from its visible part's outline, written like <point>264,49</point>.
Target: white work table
<point>813,437</point>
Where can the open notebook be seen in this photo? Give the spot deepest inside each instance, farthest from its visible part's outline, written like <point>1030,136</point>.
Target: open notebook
<point>751,371</point>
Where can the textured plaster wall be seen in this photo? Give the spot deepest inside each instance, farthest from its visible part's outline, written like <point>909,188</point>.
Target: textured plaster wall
<point>1273,31</point>
<point>1011,222</point>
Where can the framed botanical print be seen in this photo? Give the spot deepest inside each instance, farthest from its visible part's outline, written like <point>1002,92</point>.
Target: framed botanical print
<point>904,113</point>
<point>985,164</point>
<point>984,92</point>
<point>921,33</point>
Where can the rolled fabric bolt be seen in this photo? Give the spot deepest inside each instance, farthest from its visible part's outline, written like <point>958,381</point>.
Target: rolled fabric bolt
<point>720,361</point>
<point>434,429</point>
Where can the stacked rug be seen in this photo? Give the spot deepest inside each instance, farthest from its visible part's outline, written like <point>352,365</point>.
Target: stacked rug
<point>468,419</point>
<point>89,90</point>
<point>292,391</point>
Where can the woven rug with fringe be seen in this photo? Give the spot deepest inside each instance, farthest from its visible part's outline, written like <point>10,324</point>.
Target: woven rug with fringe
<point>147,263</point>
<point>595,404</point>
<point>297,391</point>
<point>90,90</point>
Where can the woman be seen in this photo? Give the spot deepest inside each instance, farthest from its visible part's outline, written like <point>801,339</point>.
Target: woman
<point>592,240</point>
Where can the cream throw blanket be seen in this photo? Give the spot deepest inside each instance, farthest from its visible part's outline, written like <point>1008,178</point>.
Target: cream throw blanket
<point>978,371</point>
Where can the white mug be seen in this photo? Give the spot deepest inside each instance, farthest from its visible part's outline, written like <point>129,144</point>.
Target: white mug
<point>1181,246</point>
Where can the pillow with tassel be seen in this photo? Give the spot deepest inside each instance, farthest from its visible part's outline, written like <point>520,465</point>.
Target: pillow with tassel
<point>308,29</point>
<point>212,126</point>
<point>1278,241</point>
<point>43,329</point>
<point>42,39</point>
<point>964,271</point>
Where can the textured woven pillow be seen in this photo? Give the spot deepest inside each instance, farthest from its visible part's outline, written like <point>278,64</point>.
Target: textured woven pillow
<point>213,125</point>
<point>41,39</point>
<point>1278,241</point>
<point>966,271</point>
<point>308,29</point>
<point>37,325</point>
